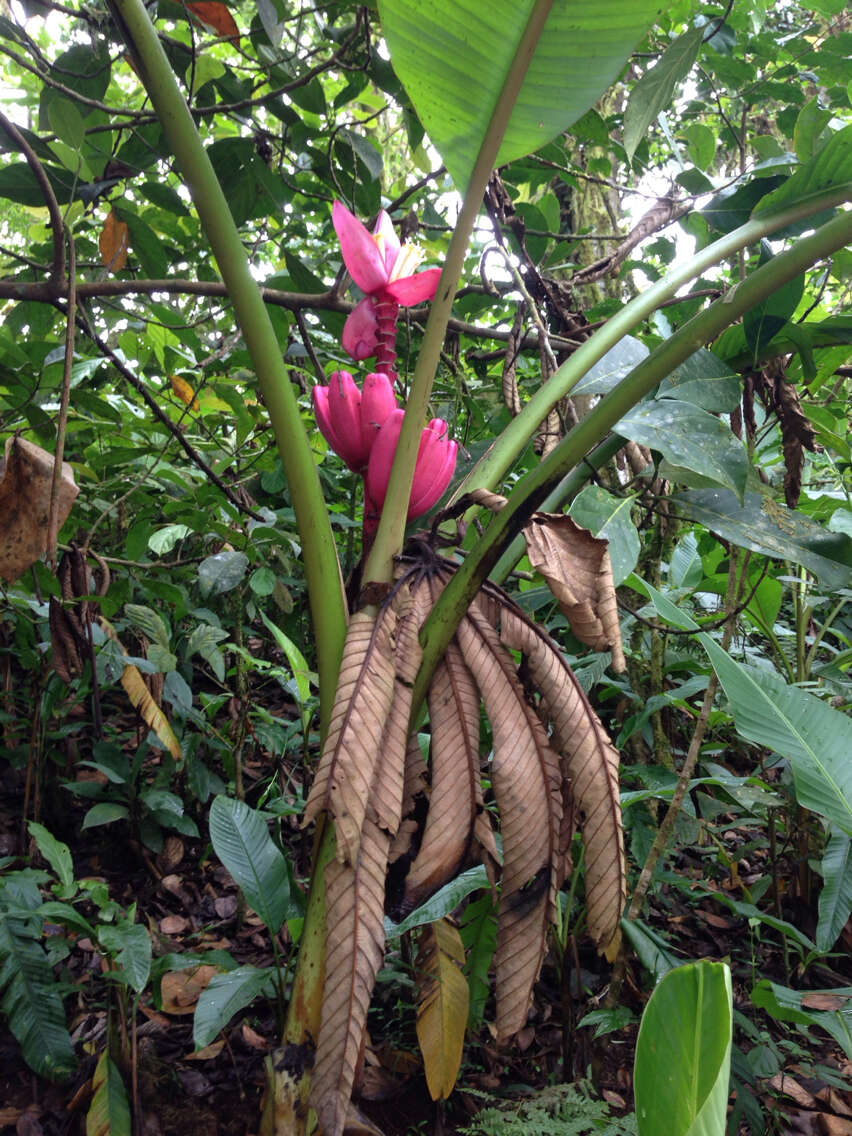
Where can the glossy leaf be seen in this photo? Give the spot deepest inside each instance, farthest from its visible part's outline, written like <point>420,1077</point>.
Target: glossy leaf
<point>688,436</point>
<point>454,78</point>
<point>683,1053</point>
<point>763,525</point>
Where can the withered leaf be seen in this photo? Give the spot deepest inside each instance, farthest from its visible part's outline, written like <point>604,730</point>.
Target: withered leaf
<point>526,783</point>
<point>589,762</point>
<point>443,1002</point>
<point>577,568</point>
<point>454,716</point>
<point>25,491</point>
<point>355,895</point>
<point>114,242</point>
<point>365,691</point>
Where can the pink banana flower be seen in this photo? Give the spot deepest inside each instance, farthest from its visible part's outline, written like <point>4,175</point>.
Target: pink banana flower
<point>436,464</point>
<point>385,270</point>
<point>349,420</point>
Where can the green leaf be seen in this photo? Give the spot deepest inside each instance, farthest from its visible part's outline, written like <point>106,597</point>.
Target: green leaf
<point>796,725</point>
<point>454,75</point>
<point>810,124</point>
<point>243,844</point>
<point>609,517</point>
<point>478,929</point>
<point>788,1006</point>
<point>701,144</point>
<point>222,572</point>
<point>301,671</point>
<point>690,437</point>
<point>764,321</point>
<point>130,944</point>
<point>653,950</point>
<point>149,623</point>
<point>66,122</point>
<point>765,526</point>
<point>57,854</point>
<point>705,380</point>
<point>611,368</point>
<point>226,995</point>
<point>104,813</point>
<point>109,1112</point>
<point>835,901</point>
<point>653,93</point>
<point>163,540</point>
<point>204,641</point>
<point>683,1053</point>
<point>31,1002</point>
<point>442,903</point>
<point>832,166</point>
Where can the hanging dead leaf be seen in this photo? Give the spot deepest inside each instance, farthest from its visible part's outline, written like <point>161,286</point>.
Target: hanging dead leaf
<point>181,989</point>
<point>454,719</point>
<point>526,780</point>
<point>577,568</point>
<point>143,701</point>
<point>114,242</point>
<point>216,16</point>
<point>589,766</point>
<point>355,896</point>
<point>184,391</point>
<point>25,490</point>
<point>443,1003</point>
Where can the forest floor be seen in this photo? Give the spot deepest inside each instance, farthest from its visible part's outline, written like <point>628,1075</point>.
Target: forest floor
<point>801,1081</point>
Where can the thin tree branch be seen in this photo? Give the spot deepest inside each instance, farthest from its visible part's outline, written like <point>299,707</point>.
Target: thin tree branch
<point>62,421</point>
<point>56,223</point>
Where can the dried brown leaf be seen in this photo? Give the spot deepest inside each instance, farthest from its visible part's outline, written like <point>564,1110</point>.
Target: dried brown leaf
<point>578,571</point>
<point>114,242</point>
<point>526,781</point>
<point>589,762</point>
<point>25,490</point>
<point>365,691</point>
<point>454,716</point>
<point>387,790</point>
<point>443,1003</point>
<point>355,895</point>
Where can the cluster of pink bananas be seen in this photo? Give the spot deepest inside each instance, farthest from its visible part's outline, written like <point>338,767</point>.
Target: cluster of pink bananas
<point>363,427</point>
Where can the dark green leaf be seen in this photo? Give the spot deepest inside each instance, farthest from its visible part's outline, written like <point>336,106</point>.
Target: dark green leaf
<point>243,844</point>
<point>689,437</point>
<point>703,379</point>
<point>226,995</point>
<point>763,525</point>
<point>653,93</point>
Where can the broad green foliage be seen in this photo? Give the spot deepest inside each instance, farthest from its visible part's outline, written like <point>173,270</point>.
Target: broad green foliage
<point>454,75</point>
<point>683,1053</point>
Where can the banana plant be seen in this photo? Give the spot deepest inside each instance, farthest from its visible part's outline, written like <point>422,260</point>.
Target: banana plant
<point>489,86</point>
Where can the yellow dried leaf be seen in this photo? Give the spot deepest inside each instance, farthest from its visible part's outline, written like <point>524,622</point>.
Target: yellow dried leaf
<point>442,1006</point>
<point>184,391</point>
<point>143,701</point>
<point>114,242</point>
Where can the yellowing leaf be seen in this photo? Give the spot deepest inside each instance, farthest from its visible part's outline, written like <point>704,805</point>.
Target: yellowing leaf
<point>114,242</point>
<point>216,16</point>
<point>442,1009</point>
<point>143,700</point>
<point>109,1112</point>
<point>184,391</point>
